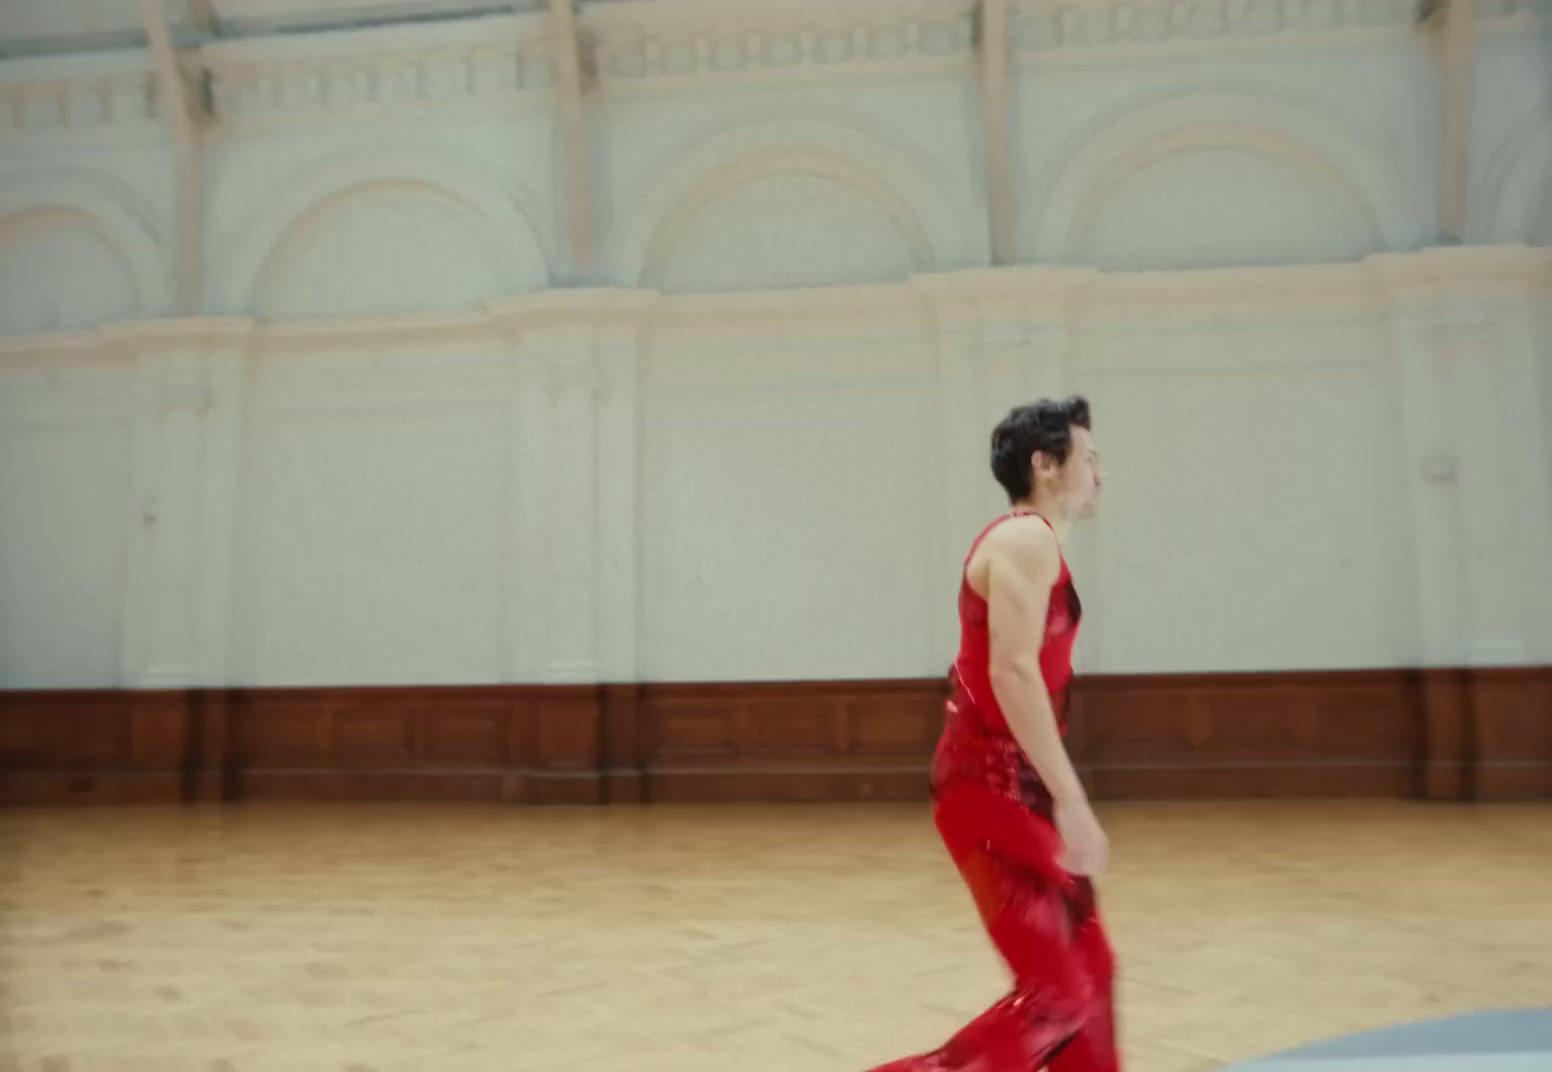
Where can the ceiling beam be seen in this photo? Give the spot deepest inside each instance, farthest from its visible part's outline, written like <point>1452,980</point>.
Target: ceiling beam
<point>566,49</point>
<point>993,56</point>
<point>1459,44</point>
<point>182,117</point>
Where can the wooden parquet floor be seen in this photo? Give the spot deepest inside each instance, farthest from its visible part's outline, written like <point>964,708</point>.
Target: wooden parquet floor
<point>714,939</point>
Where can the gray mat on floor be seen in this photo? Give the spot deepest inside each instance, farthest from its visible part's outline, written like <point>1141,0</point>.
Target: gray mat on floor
<point>1519,1040</point>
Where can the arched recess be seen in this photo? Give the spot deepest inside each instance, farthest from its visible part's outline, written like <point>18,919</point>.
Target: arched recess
<point>76,250</point>
<point>1217,180</point>
<point>1514,199</point>
<point>376,235</point>
<point>823,203</point>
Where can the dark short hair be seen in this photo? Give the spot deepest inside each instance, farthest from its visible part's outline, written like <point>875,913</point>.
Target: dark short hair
<point>1043,425</point>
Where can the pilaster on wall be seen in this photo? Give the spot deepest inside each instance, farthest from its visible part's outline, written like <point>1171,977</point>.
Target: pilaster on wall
<point>188,405</point>
<point>1478,469</point>
<point>1527,444</point>
<point>573,507</point>
<point>1430,468</point>
<point>955,324</point>
<point>1002,337</point>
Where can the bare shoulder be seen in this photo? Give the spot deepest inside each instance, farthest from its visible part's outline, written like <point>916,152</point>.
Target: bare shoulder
<point>1022,550</point>
<point>1027,541</point>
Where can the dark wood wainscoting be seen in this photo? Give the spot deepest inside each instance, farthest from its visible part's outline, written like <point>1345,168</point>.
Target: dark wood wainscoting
<point>1480,734</point>
<point>1249,735</point>
<point>491,743</point>
<point>810,741</point>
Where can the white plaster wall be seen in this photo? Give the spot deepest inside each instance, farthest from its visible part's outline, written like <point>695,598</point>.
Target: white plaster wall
<point>87,201</point>
<point>1308,467</point>
<point>1541,624</point>
<point>317,222</point>
<point>1512,141</point>
<point>83,235</point>
<point>372,516</point>
<point>65,462</point>
<point>789,487</point>
<point>413,440</point>
<point>1254,508</point>
<point>792,187</point>
<point>317,208</point>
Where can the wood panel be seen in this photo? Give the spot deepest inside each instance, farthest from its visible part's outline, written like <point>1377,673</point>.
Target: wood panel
<point>519,744</point>
<point>208,770</point>
<point>91,747</point>
<point>494,743</point>
<point>1447,734</point>
<point>836,740</point>
<point>1247,735</point>
<point>620,745</point>
<point>1448,745</point>
<point>1512,721</point>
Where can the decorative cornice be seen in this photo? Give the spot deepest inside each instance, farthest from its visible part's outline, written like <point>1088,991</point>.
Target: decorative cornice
<point>565,320</point>
<point>1047,26</point>
<point>569,308</point>
<point>123,339</point>
<point>961,300</point>
<point>409,329</point>
<point>1211,300</point>
<point>19,352</point>
<point>628,45</point>
<point>173,333</point>
<point>673,39</point>
<point>1451,274</point>
<point>881,313</point>
<point>624,44</point>
<point>488,59</point>
<point>85,100</point>
<point>1055,25</point>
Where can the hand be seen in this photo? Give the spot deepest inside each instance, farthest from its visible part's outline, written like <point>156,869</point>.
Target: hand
<point>1085,849</point>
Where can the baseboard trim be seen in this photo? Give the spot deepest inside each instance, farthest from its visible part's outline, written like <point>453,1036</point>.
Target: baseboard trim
<point>1437,734</point>
<point>77,787</point>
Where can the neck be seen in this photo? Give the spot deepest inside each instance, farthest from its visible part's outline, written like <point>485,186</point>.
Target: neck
<point>1060,523</point>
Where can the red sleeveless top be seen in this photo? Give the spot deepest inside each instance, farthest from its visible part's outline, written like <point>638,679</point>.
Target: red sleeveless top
<point>976,744</point>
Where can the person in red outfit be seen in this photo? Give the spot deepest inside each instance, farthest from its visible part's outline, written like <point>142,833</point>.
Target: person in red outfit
<point>1006,801</point>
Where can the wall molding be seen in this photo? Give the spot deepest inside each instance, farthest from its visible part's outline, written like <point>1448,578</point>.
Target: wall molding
<point>118,91</point>
<point>1057,28</point>
<point>1517,180</point>
<point>627,46</point>
<point>721,82</point>
<point>1443,734</point>
<point>113,211</point>
<point>674,39</point>
<point>506,212</point>
<point>902,183</point>
<point>477,61</point>
<point>1136,133</point>
<point>1009,302</point>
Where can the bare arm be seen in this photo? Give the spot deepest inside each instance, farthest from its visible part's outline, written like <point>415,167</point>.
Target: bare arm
<point>1021,568</point>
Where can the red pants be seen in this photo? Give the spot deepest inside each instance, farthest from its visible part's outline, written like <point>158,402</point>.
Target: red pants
<point>1044,922</point>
